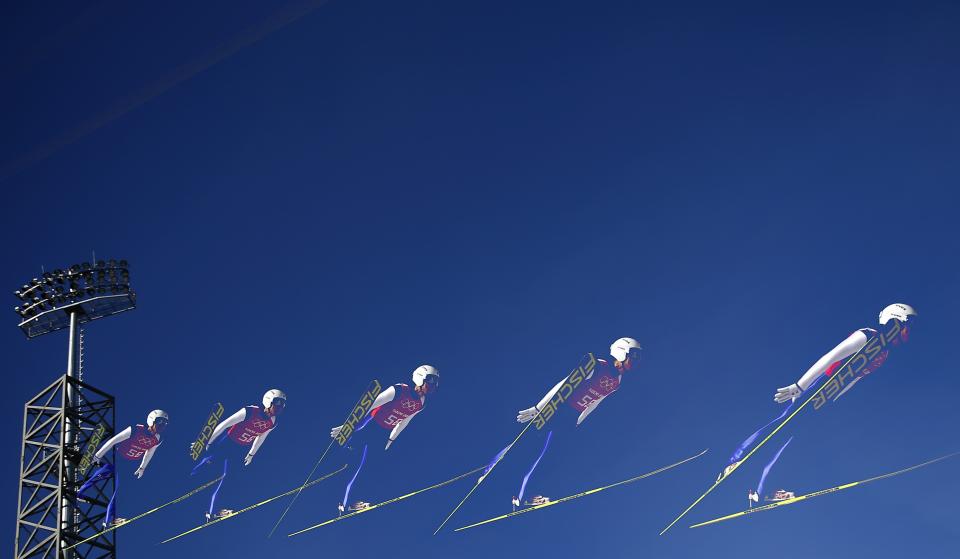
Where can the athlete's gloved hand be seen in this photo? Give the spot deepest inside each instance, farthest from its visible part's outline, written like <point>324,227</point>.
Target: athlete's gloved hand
<point>335,431</point>
<point>247,459</point>
<point>526,415</point>
<point>588,410</point>
<point>787,393</point>
<point>139,472</point>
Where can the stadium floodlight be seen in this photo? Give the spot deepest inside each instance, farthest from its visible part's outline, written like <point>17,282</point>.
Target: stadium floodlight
<point>77,291</point>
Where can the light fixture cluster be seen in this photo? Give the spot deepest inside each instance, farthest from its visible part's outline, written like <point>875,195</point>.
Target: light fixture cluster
<point>76,284</point>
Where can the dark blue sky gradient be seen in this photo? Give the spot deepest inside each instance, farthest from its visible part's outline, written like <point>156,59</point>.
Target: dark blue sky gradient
<point>496,188</point>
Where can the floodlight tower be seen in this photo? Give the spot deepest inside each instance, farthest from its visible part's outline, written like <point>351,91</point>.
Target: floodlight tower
<point>64,422</point>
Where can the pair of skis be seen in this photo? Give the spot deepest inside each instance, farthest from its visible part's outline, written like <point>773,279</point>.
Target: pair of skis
<point>822,492</point>
<point>581,494</point>
<point>387,502</point>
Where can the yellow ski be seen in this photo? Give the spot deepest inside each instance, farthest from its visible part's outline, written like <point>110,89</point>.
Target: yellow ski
<point>822,492</point>
<point>251,507</point>
<point>582,494</point>
<point>385,503</point>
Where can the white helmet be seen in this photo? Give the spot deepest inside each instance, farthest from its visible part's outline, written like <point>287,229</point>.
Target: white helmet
<point>623,347</point>
<point>153,416</point>
<point>899,311</point>
<point>271,395</point>
<point>427,374</point>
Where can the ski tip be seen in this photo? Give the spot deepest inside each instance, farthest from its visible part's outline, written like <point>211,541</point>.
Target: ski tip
<point>667,529</point>
<point>298,532</point>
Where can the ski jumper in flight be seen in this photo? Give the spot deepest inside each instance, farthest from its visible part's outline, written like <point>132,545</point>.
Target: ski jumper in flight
<point>393,409</point>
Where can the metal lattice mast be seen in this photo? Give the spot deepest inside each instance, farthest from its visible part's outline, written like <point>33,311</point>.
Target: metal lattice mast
<point>65,422</point>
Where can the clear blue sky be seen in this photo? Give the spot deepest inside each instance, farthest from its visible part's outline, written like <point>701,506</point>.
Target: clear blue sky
<point>496,188</point>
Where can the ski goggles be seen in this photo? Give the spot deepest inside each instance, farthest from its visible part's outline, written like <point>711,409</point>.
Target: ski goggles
<point>634,354</point>
<point>278,403</point>
<point>905,330</point>
<point>432,382</point>
<point>161,422</point>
